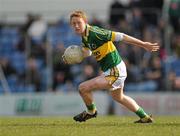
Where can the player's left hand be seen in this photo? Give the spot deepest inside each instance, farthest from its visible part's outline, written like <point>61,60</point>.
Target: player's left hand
<point>151,46</point>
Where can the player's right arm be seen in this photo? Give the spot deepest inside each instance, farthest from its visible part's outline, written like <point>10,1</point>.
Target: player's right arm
<point>86,52</point>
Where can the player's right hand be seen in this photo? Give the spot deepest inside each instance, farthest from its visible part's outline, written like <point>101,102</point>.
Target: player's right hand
<point>63,59</point>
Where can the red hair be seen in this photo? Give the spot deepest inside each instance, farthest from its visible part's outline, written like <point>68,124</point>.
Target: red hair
<point>78,13</point>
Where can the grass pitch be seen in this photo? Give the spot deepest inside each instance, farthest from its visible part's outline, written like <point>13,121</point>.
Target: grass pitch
<point>100,126</point>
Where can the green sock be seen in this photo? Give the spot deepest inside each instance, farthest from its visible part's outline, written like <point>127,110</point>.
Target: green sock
<point>91,108</point>
<point>141,113</point>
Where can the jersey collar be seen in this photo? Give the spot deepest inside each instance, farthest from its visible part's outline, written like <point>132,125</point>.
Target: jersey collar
<point>87,31</point>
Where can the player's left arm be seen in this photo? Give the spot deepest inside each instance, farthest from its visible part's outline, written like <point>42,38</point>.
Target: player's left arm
<point>134,41</point>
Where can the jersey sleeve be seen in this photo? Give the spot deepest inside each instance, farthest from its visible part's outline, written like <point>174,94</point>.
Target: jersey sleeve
<point>117,36</point>
<point>113,37</point>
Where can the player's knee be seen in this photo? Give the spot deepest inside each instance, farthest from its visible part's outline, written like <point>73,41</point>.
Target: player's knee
<point>118,98</point>
<point>121,98</point>
<point>82,88</point>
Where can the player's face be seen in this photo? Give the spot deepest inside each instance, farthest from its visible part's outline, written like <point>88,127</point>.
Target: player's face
<point>78,25</point>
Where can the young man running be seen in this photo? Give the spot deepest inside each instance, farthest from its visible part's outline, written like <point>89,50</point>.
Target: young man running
<point>99,42</point>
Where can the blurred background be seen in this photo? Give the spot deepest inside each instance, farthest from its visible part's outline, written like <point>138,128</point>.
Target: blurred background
<point>35,33</point>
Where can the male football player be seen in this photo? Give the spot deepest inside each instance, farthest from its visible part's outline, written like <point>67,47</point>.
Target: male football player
<point>99,42</point>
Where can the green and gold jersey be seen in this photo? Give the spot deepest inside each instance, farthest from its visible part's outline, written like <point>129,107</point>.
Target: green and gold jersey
<point>99,41</point>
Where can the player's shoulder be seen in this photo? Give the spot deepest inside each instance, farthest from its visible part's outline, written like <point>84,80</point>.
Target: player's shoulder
<point>99,30</point>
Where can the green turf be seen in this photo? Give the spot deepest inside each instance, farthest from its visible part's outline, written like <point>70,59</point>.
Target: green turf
<point>101,126</point>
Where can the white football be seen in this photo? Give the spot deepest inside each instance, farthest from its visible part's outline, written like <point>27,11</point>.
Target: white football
<point>73,54</point>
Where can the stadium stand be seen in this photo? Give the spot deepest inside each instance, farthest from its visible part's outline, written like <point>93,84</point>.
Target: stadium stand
<point>59,36</point>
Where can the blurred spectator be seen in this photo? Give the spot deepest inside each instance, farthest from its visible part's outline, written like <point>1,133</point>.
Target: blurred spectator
<point>123,26</point>
<point>62,73</point>
<point>135,3</point>
<point>95,21</point>
<point>161,28</point>
<point>135,55</point>
<point>30,19</point>
<point>135,82</point>
<point>34,76</point>
<point>37,34</point>
<point>175,64</point>
<point>37,30</point>
<point>151,16</point>
<point>66,87</point>
<point>147,34</point>
<point>59,80</point>
<point>174,13</point>
<point>155,72</point>
<point>88,72</point>
<point>174,74</point>
<point>116,12</point>
<point>137,22</point>
<point>176,45</point>
<point>91,61</point>
<point>131,72</point>
<point>24,31</point>
<point>152,4</point>
<point>6,67</point>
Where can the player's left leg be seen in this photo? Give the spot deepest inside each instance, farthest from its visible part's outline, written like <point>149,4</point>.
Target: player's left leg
<point>131,104</point>
<point>125,100</point>
<point>116,78</point>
